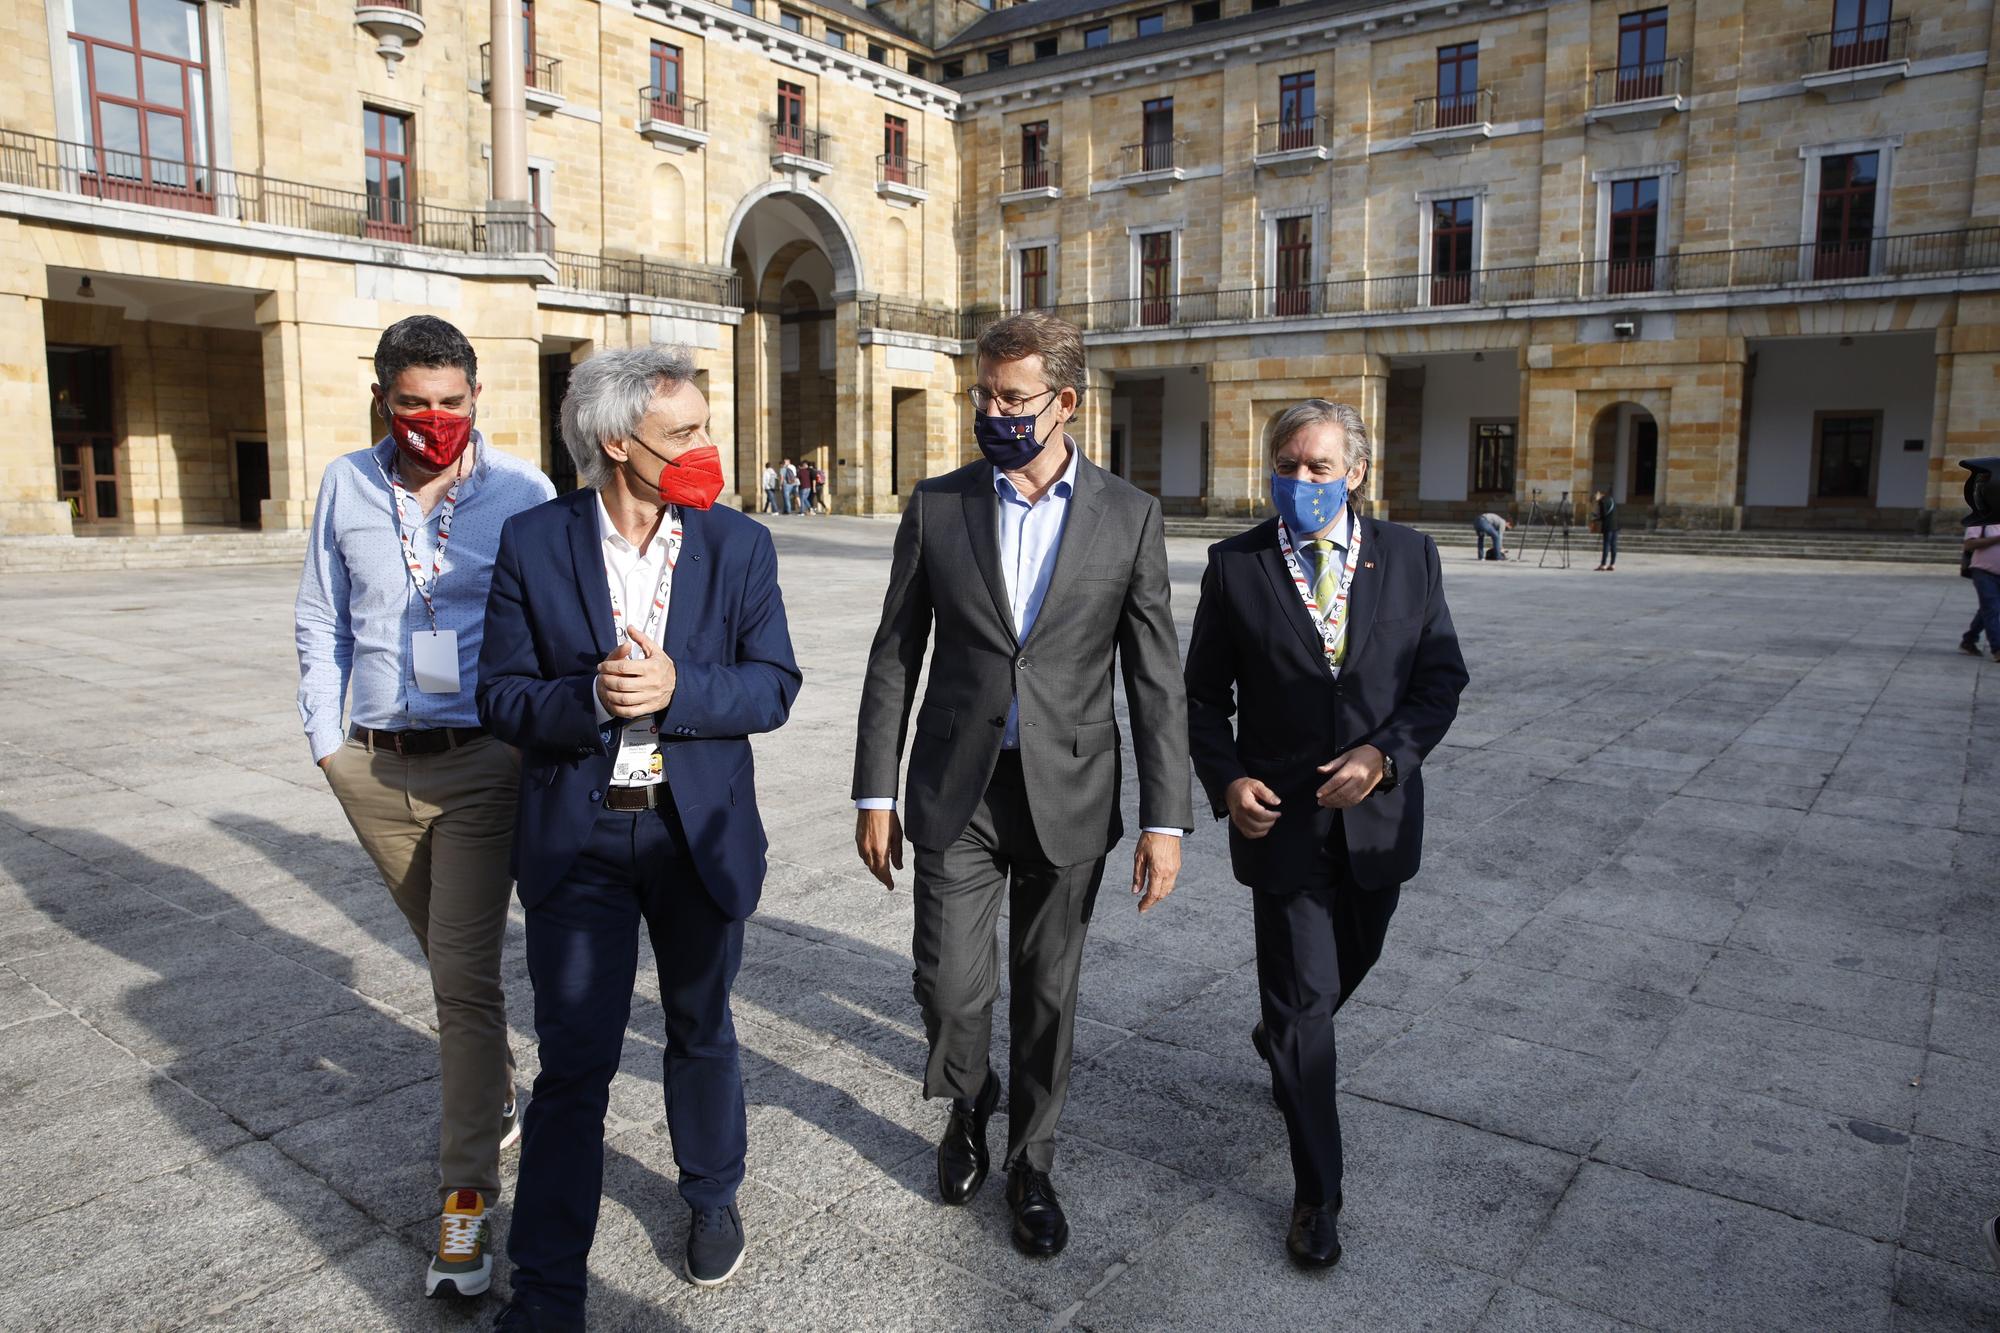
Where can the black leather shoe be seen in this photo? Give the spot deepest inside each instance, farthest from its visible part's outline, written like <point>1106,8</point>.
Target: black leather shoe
<point>1040,1229</point>
<point>519,1317</point>
<point>1261,1039</point>
<point>962,1160</point>
<point>1314,1240</point>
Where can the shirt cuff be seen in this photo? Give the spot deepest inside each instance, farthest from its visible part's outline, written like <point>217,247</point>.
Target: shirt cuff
<point>597,702</point>
<point>1169,832</point>
<point>325,743</point>
<point>876,803</point>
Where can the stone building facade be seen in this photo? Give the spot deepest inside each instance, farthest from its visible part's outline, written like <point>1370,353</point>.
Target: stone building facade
<point>1736,261</point>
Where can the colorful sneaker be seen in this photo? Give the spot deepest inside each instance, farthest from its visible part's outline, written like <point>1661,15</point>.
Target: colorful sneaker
<point>461,1266</point>
<point>510,1125</point>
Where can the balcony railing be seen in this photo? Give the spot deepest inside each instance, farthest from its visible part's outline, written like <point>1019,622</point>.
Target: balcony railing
<point>408,6</point>
<point>673,107</point>
<point>648,277</point>
<point>1153,155</point>
<point>1453,111</point>
<point>1045,174</point>
<point>1290,136</point>
<point>794,140</point>
<point>895,169</point>
<point>886,312</point>
<point>248,197</point>
<point>1639,83</point>
<point>1858,47</point>
<point>544,73</point>
<point>1916,256</point>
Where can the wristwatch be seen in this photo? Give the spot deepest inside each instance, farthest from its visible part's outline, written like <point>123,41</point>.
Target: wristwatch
<point>1388,782</point>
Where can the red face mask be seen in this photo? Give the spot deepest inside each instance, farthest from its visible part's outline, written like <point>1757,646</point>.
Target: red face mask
<point>434,438</point>
<point>693,480</point>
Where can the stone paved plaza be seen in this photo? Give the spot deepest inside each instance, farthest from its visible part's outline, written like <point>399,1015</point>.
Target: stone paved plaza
<point>1692,1021</point>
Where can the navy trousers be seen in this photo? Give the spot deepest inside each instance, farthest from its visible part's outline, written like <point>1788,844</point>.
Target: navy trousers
<point>1313,948</point>
<point>583,945</point>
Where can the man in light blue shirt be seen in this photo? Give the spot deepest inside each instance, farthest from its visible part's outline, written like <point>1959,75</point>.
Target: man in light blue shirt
<point>389,616</point>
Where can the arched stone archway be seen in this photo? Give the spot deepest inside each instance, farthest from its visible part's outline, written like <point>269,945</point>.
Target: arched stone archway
<point>1627,454</point>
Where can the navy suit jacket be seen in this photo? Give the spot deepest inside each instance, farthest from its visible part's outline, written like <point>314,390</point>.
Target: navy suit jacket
<point>548,625</point>
<point>1255,654</point>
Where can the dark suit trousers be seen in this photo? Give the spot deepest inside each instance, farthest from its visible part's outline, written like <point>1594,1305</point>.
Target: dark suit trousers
<point>583,945</point>
<point>1313,948</point>
<point>959,890</point>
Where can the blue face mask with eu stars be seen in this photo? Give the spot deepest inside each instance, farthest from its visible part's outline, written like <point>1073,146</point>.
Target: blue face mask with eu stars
<point>1307,506</point>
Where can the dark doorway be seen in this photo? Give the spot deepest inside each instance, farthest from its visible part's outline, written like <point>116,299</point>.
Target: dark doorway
<point>1645,459</point>
<point>1117,451</point>
<point>253,481</point>
<point>556,460</point>
<point>86,445</point>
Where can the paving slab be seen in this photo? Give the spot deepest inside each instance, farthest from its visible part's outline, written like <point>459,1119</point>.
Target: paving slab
<point>1818,1067</point>
<point>1616,1023</point>
<point>1840,998</point>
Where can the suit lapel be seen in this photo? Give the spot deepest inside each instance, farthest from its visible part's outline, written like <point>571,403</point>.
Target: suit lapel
<point>688,601</point>
<point>1366,593</point>
<point>1079,533</point>
<point>1290,607</point>
<point>982,525</point>
<point>586,549</point>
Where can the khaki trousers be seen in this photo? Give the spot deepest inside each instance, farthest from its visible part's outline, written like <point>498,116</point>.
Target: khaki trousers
<point>440,828</point>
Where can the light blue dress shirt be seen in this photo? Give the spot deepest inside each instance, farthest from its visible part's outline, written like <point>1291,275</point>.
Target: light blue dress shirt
<point>357,607</point>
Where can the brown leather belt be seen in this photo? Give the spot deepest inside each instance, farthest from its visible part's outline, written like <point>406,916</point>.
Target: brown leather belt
<point>635,798</point>
<point>411,744</point>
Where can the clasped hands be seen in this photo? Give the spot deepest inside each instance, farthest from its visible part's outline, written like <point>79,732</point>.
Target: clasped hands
<point>1253,807</point>
<point>632,685</point>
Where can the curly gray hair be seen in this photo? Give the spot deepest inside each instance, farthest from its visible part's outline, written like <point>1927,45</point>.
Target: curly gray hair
<point>1356,444</point>
<point>608,397</point>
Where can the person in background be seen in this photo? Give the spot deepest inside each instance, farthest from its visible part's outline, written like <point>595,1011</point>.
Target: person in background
<point>1982,547</point>
<point>1488,527</point>
<point>822,487</point>
<point>788,478</point>
<point>770,489</point>
<point>390,618</point>
<point>1607,525</point>
<point>808,482</point>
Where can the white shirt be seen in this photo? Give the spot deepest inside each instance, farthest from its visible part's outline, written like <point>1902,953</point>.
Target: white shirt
<point>633,576</point>
<point>770,478</point>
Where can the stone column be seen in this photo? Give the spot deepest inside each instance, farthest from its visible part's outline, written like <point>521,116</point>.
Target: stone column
<point>862,456</point>
<point>753,390</point>
<point>291,502</point>
<point>507,92</point>
<point>28,503</point>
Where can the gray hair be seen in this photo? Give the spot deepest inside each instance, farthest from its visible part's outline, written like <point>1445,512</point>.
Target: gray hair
<point>609,396</point>
<point>1356,446</point>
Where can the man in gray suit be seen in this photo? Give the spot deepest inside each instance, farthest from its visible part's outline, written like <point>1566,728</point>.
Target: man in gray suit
<point>1032,569</point>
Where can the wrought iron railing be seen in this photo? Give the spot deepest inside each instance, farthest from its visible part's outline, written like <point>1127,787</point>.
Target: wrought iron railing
<point>543,73</point>
<point>1639,83</point>
<point>1152,155</point>
<point>251,197</point>
<point>673,107</point>
<point>1451,111</point>
<point>407,6</point>
<point>895,169</point>
<point>1287,136</point>
<point>797,141</point>
<point>1858,47</point>
<point>886,312</point>
<point>648,277</point>
<point>1915,256</point>
<point>1043,174</point>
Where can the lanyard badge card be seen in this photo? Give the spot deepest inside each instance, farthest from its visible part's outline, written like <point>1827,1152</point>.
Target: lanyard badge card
<point>433,652</point>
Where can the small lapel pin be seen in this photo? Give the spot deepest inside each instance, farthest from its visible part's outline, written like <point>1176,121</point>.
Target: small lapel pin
<point>1365,564</point>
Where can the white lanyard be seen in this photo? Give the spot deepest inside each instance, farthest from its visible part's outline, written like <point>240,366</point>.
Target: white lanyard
<point>1333,628</point>
<point>425,590</point>
<point>656,615</point>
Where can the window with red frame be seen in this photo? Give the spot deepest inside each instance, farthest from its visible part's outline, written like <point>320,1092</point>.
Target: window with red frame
<point>1294,266</point>
<point>664,76</point>
<point>1860,33</point>
<point>385,146</point>
<point>1635,233</point>
<point>1157,134</point>
<point>528,39</point>
<point>896,150</point>
<point>1843,243</point>
<point>1642,54</point>
<point>1297,125</point>
<point>142,72</point>
<point>1156,277</point>
<point>1451,251</point>
<point>1035,155</point>
<point>791,131</point>
<point>1457,84</point>
<point>1035,277</point>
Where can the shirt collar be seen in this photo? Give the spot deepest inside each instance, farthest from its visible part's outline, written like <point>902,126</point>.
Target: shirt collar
<point>608,533</point>
<point>1065,484</point>
<point>1342,536</point>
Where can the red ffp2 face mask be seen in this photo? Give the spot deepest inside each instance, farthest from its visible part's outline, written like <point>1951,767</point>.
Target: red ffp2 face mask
<point>693,480</point>
<point>434,438</point>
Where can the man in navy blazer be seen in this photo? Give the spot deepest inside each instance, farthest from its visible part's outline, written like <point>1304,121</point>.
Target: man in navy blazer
<point>1327,637</point>
<point>635,640</point>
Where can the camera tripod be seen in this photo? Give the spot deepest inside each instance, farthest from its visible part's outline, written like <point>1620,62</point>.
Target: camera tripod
<point>1550,518</point>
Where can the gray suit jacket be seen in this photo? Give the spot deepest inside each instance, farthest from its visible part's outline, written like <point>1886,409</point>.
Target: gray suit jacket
<point>1108,597</point>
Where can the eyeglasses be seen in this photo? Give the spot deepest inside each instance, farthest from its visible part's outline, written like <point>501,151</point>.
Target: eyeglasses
<point>1010,404</point>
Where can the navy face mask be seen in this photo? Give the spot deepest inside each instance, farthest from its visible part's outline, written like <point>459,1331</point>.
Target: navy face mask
<point>1008,443</point>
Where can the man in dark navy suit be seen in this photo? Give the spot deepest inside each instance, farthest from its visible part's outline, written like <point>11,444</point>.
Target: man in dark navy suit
<point>635,639</point>
<point>1326,636</point>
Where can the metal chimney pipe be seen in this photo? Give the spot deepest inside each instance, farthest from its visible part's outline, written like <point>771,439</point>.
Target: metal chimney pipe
<point>507,91</point>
